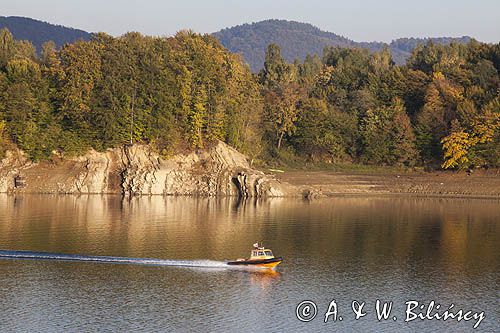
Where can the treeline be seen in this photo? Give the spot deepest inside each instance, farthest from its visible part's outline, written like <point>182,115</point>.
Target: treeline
<point>172,93</point>
<point>186,91</point>
<point>441,109</point>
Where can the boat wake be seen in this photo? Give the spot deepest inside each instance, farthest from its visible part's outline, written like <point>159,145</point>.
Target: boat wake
<point>6,254</point>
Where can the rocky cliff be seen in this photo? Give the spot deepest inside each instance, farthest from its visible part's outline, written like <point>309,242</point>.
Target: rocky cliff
<point>137,170</point>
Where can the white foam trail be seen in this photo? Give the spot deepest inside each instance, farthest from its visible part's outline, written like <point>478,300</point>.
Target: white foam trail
<point>5,254</point>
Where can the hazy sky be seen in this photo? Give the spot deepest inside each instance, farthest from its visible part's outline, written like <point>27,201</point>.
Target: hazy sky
<point>380,20</point>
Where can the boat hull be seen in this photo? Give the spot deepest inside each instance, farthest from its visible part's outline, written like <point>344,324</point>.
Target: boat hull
<point>260,263</point>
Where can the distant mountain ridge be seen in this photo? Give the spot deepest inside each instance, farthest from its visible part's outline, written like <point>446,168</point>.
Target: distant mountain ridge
<point>298,39</point>
<point>251,40</point>
<point>39,32</point>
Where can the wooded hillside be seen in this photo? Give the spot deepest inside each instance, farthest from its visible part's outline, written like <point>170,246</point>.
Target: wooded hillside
<point>184,92</point>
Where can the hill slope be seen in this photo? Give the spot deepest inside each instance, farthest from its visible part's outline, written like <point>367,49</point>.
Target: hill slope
<point>39,32</point>
<point>295,39</point>
<point>299,39</point>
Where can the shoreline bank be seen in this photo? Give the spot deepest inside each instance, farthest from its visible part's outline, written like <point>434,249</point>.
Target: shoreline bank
<point>220,171</point>
<point>481,184</point>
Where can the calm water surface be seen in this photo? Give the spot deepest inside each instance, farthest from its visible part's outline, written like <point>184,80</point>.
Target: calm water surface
<point>353,248</point>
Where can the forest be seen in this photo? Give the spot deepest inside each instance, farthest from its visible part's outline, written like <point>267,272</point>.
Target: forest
<point>439,110</point>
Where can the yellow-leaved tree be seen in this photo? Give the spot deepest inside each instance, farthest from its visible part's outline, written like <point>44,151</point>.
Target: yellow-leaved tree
<point>458,145</point>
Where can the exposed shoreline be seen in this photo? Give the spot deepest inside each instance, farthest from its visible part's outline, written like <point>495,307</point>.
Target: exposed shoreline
<point>222,171</point>
<point>480,184</point>
<point>290,197</point>
<point>381,186</point>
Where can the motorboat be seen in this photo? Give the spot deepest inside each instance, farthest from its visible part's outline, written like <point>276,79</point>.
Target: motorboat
<point>260,257</point>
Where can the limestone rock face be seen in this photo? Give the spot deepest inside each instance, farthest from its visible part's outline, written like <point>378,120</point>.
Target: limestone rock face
<point>138,170</point>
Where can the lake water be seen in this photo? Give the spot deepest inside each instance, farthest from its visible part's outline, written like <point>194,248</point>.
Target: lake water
<point>344,249</point>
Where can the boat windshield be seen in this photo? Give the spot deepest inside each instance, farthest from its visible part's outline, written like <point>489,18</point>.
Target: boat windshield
<point>269,253</point>
<point>261,253</point>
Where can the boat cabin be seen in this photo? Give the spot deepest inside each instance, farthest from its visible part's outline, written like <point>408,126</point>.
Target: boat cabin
<point>261,253</point>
